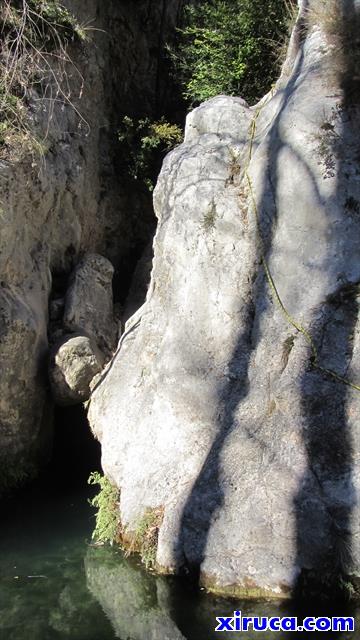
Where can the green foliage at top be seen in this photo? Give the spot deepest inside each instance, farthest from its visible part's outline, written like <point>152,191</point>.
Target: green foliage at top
<point>227,47</point>
<point>144,144</point>
<point>106,502</point>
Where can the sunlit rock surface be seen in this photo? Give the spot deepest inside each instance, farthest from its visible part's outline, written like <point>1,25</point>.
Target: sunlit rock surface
<point>213,409</point>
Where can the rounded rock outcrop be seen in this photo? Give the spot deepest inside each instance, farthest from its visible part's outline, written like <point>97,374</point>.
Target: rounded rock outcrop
<point>233,404</point>
<point>73,364</point>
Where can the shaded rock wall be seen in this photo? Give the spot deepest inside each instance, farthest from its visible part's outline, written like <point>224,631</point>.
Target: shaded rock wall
<point>72,201</point>
<point>214,409</point>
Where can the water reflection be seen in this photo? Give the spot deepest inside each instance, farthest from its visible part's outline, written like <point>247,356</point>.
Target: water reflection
<point>137,603</point>
<point>54,586</point>
<point>141,606</point>
<point>43,592</point>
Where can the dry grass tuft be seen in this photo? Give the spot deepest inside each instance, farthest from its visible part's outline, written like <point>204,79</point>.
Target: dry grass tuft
<point>280,47</point>
<point>325,14</point>
<point>144,539</point>
<point>340,22</point>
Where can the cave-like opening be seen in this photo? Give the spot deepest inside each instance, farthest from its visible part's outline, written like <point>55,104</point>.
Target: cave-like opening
<point>75,454</point>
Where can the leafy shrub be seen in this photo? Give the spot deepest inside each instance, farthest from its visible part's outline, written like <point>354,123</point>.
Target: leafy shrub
<point>108,526</point>
<point>144,145</point>
<point>227,47</point>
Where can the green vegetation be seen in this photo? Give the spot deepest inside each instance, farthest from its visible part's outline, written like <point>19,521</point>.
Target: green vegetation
<point>144,540</point>
<point>34,40</point>
<point>227,47</point>
<point>43,23</point>
<point>144,145</point>
<point>108,526</point>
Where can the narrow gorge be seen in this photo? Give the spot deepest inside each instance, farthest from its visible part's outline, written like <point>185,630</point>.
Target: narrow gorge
<point>70,201</point>
<point>209,327</point>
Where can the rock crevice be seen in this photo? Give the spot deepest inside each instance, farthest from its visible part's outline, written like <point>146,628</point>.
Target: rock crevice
<point>72,201</point>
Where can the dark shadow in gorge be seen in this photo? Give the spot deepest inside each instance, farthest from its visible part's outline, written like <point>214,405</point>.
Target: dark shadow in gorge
<point>76,453</point>
<point>140,85</point>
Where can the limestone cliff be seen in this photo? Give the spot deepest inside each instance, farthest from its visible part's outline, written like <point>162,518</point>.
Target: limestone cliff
<point>71,201</point>
<point>232,402</point>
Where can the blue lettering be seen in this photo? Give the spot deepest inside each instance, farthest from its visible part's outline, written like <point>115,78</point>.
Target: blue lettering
<point>323,624</point>
<point>309,624</point>
<point>260,624</point>
<point>274,624</point>
<point>237,620</point>
<point>288,624</point>
<point>246,622</point>
<point>343,624</point>
<point>224,624</point>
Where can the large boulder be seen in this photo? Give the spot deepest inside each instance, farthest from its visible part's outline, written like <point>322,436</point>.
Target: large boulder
<point>230,403</point>
<point>73,365</point>
<point>89,302</point>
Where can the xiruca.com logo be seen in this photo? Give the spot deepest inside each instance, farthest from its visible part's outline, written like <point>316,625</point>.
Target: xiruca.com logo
<point>238,622</point>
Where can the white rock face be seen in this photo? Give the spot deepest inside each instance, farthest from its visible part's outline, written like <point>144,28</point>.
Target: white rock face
<point>213,409</point>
